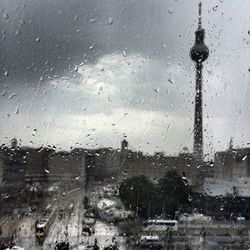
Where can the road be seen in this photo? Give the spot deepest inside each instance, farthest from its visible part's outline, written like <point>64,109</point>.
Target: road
<point>69,228</point>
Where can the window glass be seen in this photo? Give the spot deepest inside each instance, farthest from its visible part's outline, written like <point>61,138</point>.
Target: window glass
<point>124,124</point>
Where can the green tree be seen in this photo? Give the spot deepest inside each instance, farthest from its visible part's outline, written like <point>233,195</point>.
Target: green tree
<point>137,193</point>
<point>176,194</point>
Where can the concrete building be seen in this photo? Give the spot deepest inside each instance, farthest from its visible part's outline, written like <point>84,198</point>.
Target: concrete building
<point>232,164</point>
<point>36,164</point>
<point>103,163</point>
<point>153,166</point>
<point>13,171</point>
<point>66,165</point>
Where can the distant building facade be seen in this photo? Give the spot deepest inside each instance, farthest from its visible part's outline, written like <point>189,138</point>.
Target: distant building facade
<point>155,166</point>
<point>13,169</point>
<point>232,164</point>
<point>66,165</point>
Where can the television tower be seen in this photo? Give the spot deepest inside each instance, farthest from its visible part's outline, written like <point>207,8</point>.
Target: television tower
<point>198,53</point>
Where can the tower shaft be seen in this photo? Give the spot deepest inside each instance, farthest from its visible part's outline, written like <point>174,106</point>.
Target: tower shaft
<point>198,115</point>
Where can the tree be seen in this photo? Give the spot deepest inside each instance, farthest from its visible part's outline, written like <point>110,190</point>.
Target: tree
<point>136,194</point>
<point>175,193</point>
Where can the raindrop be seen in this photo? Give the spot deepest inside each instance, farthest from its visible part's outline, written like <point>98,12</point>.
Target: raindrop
<point>76,68</point>
<point>6,16</point>
<point>92,20</point>
<point>47,171</point>
<point>124,53</point>
<point>6,73</point>
<point>170,11</point>
<point>17,111</point>
<point>34,132</point>
<point>78,177</point>
<point>157,91</point>
<point>12,96</point>
<point>3,93</point>
<point>110,98</point>
<point>110,22</point>
<point>76,18</point>
<point>164,46</point>
<point>248,32</point>
<point>171,80</point>
<point>38,39</point>
<point>215,8</point>
<point>91,47</point>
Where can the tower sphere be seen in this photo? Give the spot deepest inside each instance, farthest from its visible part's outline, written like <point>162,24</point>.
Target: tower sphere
<point>199,52</point>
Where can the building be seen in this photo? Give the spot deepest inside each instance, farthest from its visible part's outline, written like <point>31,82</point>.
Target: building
<point>102,163</point>
<point>66,165</point>
<point>36,164</point>
<point>13,171</point>
<point>155,166</point>
<point>232,164</point>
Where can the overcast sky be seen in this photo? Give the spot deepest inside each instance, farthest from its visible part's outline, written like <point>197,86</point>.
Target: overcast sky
<point>84,73</point>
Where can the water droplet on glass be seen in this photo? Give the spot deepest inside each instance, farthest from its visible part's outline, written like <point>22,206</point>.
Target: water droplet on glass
<point>215,8</point>
<point>157,91</point>
<point>34,132</point>
<point>6,16</point>
<point>170,11</point>
<point>76,18</point>
<point>110,22</point>
<point>12,96</point>
<point>171,80</point>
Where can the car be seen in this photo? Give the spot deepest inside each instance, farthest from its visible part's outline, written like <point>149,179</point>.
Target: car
<point>89,219</point>
<point>150,242</point>
<point>111,247</point>
<point>62,246</point>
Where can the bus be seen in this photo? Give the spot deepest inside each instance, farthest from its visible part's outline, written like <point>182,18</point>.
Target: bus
<point>160,225</point>
<point>43,225</point>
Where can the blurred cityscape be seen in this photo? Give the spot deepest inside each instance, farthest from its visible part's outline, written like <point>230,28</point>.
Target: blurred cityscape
<point>110,198</point>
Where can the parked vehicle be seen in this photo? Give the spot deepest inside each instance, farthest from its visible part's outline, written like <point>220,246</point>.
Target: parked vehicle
<point>150,242</point>
<point>89,218</point>
<point>62,246</point>
<point>160,225</point>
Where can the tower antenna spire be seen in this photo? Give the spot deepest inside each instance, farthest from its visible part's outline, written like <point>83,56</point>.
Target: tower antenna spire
<point>199,21</point>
